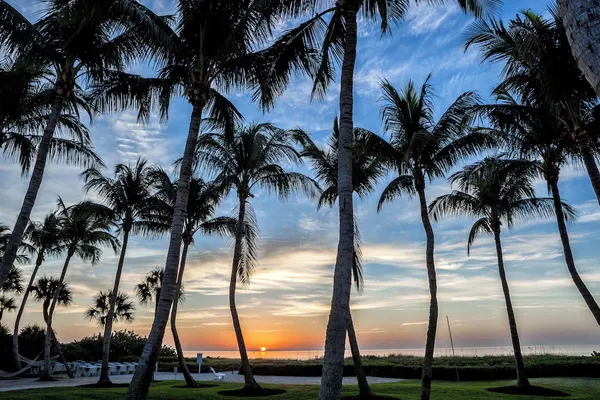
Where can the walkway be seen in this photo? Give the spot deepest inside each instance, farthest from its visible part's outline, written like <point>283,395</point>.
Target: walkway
<point>63,381</point>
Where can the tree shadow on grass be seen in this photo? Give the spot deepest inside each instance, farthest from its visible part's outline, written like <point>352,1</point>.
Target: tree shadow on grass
<point>250,392</point>
<point>198,386</point>
<point>529,391</point>
<point>374,397</point>
<point>104,385</point>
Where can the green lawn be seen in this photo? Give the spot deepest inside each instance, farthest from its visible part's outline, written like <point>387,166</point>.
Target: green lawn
<point>406,390</point>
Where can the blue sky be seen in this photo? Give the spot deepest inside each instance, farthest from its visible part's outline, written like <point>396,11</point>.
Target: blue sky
<point>287,304</point>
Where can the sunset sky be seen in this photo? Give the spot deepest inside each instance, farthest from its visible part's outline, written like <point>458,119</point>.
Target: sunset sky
<point>286,305</point>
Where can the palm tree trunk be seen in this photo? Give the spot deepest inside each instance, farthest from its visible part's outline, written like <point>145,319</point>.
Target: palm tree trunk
<point>48,317</point>
<point>140,383</point>
<point>522,380</point>
<point>57,343</point>
<point>587,155</point>
<point>581,19</point>
<point>333,362</point>
<point>10,252</point>
<point>433,304</point>
<point>189,379</point>
<point>564,238</point>
<point>363,384</point>
<point>104,371</point>
<point>249,380</point>
<point>15,338</point>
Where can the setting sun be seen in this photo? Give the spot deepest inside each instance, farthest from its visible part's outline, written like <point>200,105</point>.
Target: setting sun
<point>263,349</point>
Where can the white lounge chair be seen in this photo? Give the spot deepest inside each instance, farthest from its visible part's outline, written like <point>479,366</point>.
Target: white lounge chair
<point>130,367</point>
<point>57,368</point>
<point>86,369</point>
<point>219,376</point>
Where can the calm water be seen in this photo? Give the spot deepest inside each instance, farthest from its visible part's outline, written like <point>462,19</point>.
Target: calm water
<point>460,351</point>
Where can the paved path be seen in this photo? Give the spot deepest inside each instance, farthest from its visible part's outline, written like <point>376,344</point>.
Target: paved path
<point>31,383</point>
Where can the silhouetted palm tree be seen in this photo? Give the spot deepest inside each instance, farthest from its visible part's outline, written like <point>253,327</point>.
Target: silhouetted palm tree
<point>367,169</point>
<point>25,101</point>
<point>7,304</point>
<point>45,291</point>
<point>244,160</point>
<point>203,200</point>
<point>75,43</point>
<point>45,239</point>
<point>100,309</point>
<point>539,67</point>
<point>129,195</point>
<point>535,133</point>
<point>84,229</point>
<point>212,49</point>
<point>338,38</point>
<point>422,149</point>
<point>498,192</point>
<point>149,289</point>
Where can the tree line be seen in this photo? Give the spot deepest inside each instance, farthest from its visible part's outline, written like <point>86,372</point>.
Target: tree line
<point>76,60</point>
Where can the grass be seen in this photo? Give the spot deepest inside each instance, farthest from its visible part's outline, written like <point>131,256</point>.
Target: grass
<point>578,388</point>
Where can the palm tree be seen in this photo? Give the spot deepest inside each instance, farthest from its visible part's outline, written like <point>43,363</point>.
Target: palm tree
<point>539,67</point>
<point>422,149</point>
<point>210,51</point>
<point>535,133</point>
<point>100,309</point>
<point>203,200</point>
<point>150,288</point>
<point>339,46</point>
<point>367,169</point>
<point>25,108</point>
<point>579,19</point>
<point>45,291</point>
<point>243,160</point>
<point>74,42</point>
<point>84,229</point>
<point>129,195</point>
<point>497,191</point>
<point>45,239</point>
<point>7,304</point>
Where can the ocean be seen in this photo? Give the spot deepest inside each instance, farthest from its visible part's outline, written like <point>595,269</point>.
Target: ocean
<point>574,350</point>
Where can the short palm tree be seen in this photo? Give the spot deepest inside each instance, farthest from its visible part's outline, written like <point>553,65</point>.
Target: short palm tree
<point>422,149</point>
<point>499,192</point>
<point>24,110</point>
<point>244,160</point>
<point>129,195</point>
<point>535,133</point>
<point>334,28</point>
<point>539,67</point>
<point>44,291</point>
<point>85,228</point>
<point>100,309</point>
<point>203,200</point>
<point>367,169</point>
<point>75,43</point>
<point>7,304</point>
<point>150,288</point>
<point>45,239</point>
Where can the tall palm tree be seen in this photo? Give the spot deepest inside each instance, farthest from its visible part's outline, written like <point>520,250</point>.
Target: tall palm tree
<point>244,160</point>
<point>99,311</point>
<point>25,102</point>
<point>129,195</point>
<point>499,192</point>
<point>339,37</point>
<point>422,149</point>
<point>7,304</point>
<point>535,133</point>
<point>212,49</point>
<point>75,42</point>
<point>84,230</point>
<point>580,20</point>
<point>44,291</point>
<point>45,239</point>
<point>367,169</point>
<point>539,67</point>
<point>203,200</point>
